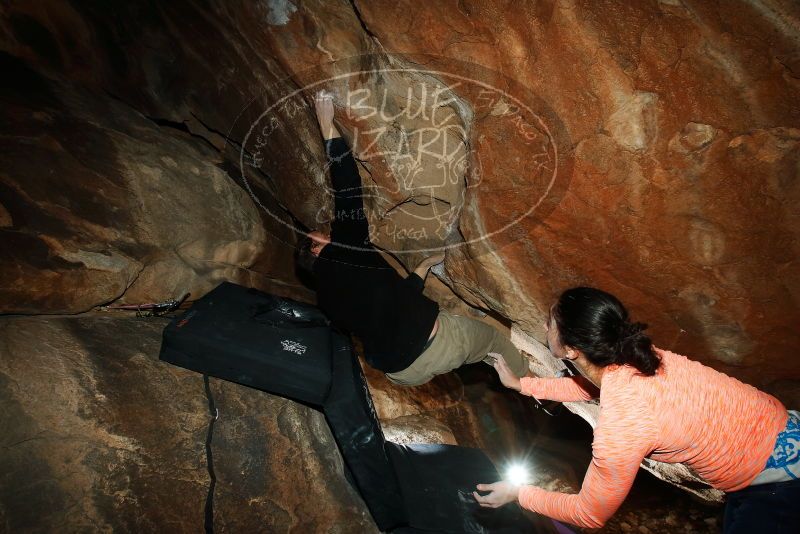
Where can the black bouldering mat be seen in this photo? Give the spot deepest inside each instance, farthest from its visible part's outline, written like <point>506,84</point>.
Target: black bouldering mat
<point>357,431</point>
<point>287,348</point>
<point>243,335</point>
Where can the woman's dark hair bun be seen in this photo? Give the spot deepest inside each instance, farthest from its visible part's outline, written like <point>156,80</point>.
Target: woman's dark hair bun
<point>635,348</point>
<point>597,324</point>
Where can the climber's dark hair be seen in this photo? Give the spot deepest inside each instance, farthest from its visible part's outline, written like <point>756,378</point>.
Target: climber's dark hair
<point>597,324</point>
<point>303,258</point>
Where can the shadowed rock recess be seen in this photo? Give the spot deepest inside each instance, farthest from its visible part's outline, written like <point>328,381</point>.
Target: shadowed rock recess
<point>149,150</point>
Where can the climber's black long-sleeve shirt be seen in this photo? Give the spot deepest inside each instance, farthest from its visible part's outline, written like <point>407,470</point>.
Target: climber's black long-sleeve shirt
<point>357,289</point>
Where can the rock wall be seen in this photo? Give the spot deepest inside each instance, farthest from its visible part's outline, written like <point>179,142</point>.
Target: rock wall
<point>99,436</point>
<point>682,124</point>
<point>105,200</point>
<point>649,148</point>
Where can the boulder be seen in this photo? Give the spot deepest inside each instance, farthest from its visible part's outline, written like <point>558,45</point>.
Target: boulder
<point>102,204</point>
<point>99,435</point>
<point>647,148</point>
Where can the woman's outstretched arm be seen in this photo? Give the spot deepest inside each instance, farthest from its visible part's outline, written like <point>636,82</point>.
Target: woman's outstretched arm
<point>623,437</point>
<point>569,389</point>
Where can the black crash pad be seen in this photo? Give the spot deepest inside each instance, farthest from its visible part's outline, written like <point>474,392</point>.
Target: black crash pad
<point>243,335</point>
<point>287,348</point>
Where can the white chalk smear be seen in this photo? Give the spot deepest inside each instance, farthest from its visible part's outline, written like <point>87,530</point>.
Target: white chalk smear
<point>279,12</point>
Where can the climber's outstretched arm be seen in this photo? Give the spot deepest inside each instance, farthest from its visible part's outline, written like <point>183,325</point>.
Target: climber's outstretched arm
<point>350,225</point>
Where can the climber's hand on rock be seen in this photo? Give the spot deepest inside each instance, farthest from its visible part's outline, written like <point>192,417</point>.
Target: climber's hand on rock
<point>435,259</point>
<point>507,377</point>
<point>427,263</point>
<point>501,493</point>
<point>323,105</point>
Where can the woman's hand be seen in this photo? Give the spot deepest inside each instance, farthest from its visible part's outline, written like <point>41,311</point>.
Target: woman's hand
<point>507,377</point>
<point>500,493</point>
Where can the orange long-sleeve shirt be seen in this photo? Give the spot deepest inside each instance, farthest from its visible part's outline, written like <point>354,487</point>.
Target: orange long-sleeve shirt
<point>722,428</point>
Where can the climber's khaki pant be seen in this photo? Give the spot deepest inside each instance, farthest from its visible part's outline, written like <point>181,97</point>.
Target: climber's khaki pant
<point>459,341</point>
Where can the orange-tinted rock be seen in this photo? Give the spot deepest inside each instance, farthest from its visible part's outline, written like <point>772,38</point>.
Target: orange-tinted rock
<point>655,143</point>
<point>683,199</point>
<point>677,170</point>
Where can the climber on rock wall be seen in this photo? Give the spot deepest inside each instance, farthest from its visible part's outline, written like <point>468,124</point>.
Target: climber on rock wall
<point>660,405</point>
<point>404,333</point>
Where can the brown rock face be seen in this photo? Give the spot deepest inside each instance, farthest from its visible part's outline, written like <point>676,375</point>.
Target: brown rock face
<point>98,435</point>
<point>647,148</point>
<point>683,198</point>
<point>102,201</point>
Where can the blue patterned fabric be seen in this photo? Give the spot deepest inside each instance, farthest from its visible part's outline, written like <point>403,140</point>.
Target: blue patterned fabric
<point>784,464</point>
